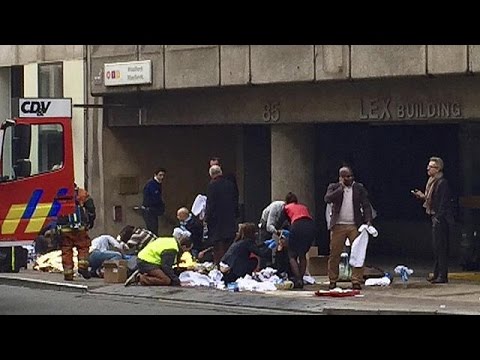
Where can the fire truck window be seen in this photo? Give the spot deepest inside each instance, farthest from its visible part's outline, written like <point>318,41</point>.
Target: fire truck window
<point>34,150</point>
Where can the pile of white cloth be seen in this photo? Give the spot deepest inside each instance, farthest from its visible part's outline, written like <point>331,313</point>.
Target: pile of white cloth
<point>359,246</point>
<point>383,281</point>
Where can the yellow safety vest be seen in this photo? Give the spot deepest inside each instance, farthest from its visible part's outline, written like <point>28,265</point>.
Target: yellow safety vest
<point>153,251</point>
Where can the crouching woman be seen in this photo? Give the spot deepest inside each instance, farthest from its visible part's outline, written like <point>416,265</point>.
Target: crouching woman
<point>242,257</point>
<point>156,261</point>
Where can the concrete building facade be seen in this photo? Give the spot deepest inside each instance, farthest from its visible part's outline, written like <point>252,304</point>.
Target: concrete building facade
<point>284,118</point>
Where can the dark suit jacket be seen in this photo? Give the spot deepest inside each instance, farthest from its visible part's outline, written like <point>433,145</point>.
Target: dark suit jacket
<point>221,207</point>
<point>362,210</point>
<point>442,201</point>
<point>233,179</point>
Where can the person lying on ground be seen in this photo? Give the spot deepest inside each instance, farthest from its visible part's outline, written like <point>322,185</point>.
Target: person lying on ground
<point>136,238</point>
<point>103,248</point>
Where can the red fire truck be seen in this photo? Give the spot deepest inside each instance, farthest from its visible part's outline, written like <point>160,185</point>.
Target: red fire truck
<point>36,170</point>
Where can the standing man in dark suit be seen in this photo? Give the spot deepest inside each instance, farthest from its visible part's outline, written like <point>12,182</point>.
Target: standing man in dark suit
<point>153,205</point>
<point>215,160</point>
<point>438,204</point>
<point>350,209</point>
<point>220,212</point>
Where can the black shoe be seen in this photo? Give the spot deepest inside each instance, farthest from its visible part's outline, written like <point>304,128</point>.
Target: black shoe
<point>431,278</point>
<point>356,286</point>
<point>133,278</point>
<point>332,285</point>
<point>85,273</point>
<point>439,281</point>
<point>298,284</point>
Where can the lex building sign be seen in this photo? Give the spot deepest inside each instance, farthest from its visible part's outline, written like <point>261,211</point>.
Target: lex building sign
<point>128,73</point>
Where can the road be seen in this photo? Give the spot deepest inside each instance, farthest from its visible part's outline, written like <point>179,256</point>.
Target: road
<point>26,301</point>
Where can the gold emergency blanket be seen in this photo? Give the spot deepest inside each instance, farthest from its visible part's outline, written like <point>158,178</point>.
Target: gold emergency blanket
<point>52,261</point>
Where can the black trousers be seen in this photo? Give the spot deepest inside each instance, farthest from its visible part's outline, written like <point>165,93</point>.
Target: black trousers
<point>151,220</point>
<point>440,238</point>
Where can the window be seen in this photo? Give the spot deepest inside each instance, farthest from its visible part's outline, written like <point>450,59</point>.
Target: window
<point>35,149</point>
<point>50,80</point>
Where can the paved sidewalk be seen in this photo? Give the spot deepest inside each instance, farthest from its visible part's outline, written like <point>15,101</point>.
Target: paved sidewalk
<point>417,297</point>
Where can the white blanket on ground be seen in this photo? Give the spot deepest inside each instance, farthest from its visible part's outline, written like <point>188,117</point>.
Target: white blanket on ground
<point>384,281</point>
<point>359,246</point>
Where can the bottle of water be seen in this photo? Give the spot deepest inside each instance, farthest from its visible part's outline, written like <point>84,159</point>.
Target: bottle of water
<point>232,287</point>
<point>343,267</point>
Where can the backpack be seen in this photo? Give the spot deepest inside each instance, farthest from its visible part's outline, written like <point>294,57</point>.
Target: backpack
<point>87,207</point>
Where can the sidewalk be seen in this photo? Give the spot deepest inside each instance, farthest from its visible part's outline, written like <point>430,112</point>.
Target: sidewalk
<point>417,297</point>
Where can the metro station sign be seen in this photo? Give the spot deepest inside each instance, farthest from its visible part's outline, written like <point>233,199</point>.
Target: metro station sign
<point>128,73</point>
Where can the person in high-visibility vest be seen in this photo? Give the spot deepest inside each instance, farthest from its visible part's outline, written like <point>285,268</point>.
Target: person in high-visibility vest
<point>156,261</point>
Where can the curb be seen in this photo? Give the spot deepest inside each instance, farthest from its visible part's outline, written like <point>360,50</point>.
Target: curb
<point>41,284</point>
<point>61,286</point>
<point>213,303</point>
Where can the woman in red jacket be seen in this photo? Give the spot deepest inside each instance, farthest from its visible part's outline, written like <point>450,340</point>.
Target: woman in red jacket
<point>302,236</point>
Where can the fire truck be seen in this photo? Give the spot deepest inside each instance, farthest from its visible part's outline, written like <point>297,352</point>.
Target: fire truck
<point>36,172</point>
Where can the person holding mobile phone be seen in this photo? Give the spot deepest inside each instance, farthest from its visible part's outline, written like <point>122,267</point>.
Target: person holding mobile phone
<point>350,209</point>
<point>438,205</point>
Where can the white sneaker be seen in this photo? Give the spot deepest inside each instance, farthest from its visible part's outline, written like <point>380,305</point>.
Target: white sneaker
<point>132,279</point>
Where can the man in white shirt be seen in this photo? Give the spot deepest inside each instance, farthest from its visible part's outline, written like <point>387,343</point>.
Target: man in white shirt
<point>104,247</point>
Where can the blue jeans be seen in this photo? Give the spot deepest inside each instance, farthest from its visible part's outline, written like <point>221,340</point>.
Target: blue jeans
<point>97,258</point>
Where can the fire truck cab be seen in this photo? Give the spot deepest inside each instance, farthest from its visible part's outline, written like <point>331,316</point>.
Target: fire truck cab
<point>36,169</point>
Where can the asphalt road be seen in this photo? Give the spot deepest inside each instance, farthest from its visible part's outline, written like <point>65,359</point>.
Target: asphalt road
<point>16,300</point>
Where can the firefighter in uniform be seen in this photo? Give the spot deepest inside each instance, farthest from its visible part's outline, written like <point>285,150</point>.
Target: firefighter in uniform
<point>73,230</point>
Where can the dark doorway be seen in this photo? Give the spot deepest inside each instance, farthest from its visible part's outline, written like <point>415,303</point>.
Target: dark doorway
<point>389,161</point>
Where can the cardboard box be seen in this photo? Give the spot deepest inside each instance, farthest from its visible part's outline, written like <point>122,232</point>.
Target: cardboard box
<point>115,271</point>
<point>318,265</point>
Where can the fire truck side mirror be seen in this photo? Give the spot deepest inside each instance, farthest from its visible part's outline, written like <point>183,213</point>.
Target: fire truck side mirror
<point>22,168</point>
<point>7,123</point>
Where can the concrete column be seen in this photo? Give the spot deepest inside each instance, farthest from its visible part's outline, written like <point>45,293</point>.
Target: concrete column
<point>293,163</point>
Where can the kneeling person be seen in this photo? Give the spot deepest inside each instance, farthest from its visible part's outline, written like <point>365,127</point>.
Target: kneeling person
<point>156,260</point>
